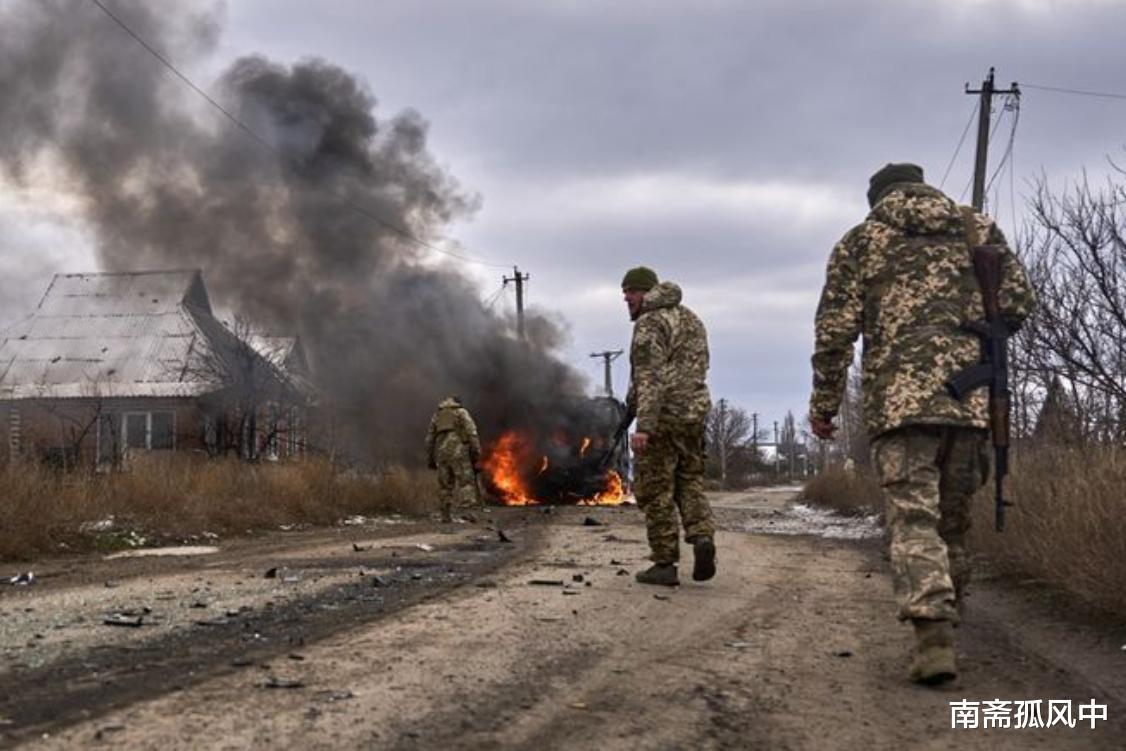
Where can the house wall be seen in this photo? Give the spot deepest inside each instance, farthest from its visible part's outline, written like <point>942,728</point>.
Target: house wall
<point>87,432</point>
<point>66,432</point>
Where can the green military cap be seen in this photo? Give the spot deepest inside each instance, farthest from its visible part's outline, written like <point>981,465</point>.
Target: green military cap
<point>640,277</point>
<point>903,172</point>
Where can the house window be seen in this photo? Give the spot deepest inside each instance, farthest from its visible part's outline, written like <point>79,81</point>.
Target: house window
<point>148,430</point>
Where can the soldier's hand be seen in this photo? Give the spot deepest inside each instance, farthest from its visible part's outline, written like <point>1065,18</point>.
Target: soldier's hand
<point>638,442</point>
<point>822,428</point>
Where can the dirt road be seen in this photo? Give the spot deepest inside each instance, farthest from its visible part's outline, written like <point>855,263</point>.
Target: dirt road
<point>404,637</point>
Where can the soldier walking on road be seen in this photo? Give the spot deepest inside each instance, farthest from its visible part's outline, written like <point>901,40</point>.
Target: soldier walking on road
<point>453,448</point>
<point>668,394</point>
<point>904,279</point>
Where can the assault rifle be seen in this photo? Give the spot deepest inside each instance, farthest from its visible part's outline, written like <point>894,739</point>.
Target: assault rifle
<point>993,370</point>
<point>619,434</point>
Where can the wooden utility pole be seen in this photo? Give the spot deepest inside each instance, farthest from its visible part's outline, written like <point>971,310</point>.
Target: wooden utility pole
<point>987,92</point>
<point>519,279</point>
<point>608,357</point>
<point>721,439</point>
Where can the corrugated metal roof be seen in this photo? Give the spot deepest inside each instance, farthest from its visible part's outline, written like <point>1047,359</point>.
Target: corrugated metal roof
<point>121,335</point>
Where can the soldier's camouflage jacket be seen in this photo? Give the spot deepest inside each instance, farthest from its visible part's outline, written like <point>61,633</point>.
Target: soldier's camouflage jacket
<point>450,422</point>
<point>904,279</point>
<point>668,362</point>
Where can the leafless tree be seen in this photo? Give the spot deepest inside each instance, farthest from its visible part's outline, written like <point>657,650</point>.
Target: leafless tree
<point>728,431</point>
<point>1075,249</point>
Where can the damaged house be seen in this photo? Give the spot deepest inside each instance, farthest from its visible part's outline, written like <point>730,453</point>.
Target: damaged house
<point>112,364</point>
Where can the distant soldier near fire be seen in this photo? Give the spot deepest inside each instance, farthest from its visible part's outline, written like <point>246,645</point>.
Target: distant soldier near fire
<point>905,279</point>
<point>453,448</point>
<point>669,396</point>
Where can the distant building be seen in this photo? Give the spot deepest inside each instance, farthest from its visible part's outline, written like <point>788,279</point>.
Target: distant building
<point>116,363</point>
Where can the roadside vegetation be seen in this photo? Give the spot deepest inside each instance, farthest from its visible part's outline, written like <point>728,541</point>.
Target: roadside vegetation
<point>181,498</point>
<point>1063,533</point>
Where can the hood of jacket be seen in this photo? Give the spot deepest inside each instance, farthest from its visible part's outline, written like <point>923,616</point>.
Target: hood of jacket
<point>664,295</point>
<point>918,209</point>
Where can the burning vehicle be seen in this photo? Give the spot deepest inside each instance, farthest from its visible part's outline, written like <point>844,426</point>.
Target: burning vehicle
<point>579,459</point>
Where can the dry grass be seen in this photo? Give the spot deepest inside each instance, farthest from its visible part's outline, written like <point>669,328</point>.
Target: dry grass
<point>179,496</point>
<point>855,493</point>
<point>1066,530</point>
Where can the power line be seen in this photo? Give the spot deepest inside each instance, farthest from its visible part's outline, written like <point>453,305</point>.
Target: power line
<point>958,148</point>
<point>273,150</point>
<point>1077,92</point>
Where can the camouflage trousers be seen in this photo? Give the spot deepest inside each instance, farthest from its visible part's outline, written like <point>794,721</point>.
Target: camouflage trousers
<point>669,479</point>
<point>457,482</point>
<point>929,475</point>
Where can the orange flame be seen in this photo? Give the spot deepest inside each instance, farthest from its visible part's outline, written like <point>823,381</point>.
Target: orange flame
<point>585,446</point>
<point>613,495</point>
<point>502,464</point>
<point>543,466</point>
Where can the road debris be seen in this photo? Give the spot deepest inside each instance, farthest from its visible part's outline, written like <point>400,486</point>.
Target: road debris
<point>843,653</point>
<point>738,644</point>
<point>212,622</point>
<point>427,547</point>
<point>175,550</point>
<point>291,579</point>
<point>360,548</point>
<point>338,695</point>
<point>274,682</point>
<point>546,582</point>
<point>577,578</point>
<point>622,572</point>
<point>502,536</point>
<point>378,581</point>
<point>121,619</point>
<point>590,521</point>
<point>22,580</point>
<point>660,597</point>
<point>354,521</point>
<point>271,573</point>
<point>570,591</point>
<point>106,730</point>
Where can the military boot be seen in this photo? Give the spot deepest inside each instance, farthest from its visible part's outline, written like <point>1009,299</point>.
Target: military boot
<point>703,567</point>
<point>663,574</point>
<point>933,662</point>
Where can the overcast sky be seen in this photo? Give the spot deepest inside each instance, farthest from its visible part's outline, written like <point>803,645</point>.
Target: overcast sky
<point>726,144</point>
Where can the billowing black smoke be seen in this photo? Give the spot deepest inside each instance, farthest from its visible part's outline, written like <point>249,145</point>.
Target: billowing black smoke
<point>284,231</point>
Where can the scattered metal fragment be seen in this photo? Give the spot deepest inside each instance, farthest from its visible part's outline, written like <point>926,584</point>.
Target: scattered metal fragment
<point>111,584</point>
<point>843,653</point>
<point>570,592</point>
<point>121,619</point>
<point>271,573</point>
<point>22,580</point>
<point>198,604</point>
<point>295,656</point>
<point>104,731</point>
<point>360,548</point>
<point>738,644</point>
<point>502,536</point>
<point>292,578</point>
<point>241,662</point>
<point>616,562</point>
<point>274,682</point>
<point>590,521</point>
<point>577,578</point>
<point>339,695</point>
<point>212,622</point>
<point>425,546</point>
<point>546,582</point>
<point>378,581</point>
<point>622,572</point>
<point>660,597</point>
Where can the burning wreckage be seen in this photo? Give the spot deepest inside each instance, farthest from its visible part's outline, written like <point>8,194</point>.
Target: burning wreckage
<point>583,460</point>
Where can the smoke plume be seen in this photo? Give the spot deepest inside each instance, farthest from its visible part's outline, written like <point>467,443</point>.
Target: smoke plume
<point>279,230</point>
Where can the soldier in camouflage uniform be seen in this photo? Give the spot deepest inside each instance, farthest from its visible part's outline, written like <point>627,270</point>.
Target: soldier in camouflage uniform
<point>904,279</point>
<point>453,448</point>
<point>669,396</point>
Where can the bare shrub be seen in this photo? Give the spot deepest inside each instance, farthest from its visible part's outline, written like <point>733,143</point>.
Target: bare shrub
<point>177,496</point>
<point>852,492</point>
<point>1066,528</point>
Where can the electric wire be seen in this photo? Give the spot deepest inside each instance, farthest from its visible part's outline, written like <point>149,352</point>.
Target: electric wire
<point>273,150</point>
<point>995,116</point>
<point>958,148</point>
<point>1077,92</point>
